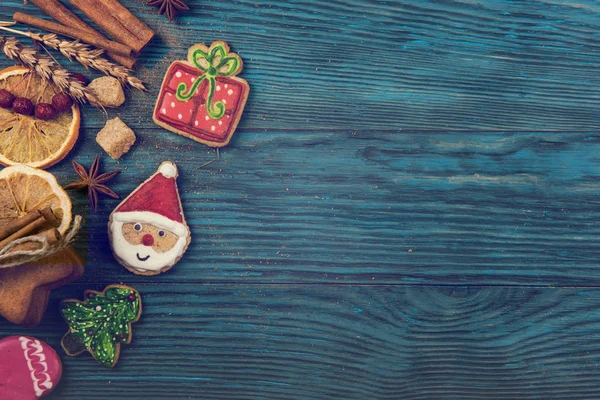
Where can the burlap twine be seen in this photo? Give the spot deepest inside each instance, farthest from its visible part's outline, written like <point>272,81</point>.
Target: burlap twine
<point>20,257</point>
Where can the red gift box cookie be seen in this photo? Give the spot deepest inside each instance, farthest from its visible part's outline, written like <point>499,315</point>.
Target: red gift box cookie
<point>202,98</point>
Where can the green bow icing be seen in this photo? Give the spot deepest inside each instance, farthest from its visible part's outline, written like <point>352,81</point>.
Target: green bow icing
<point>216,62</point>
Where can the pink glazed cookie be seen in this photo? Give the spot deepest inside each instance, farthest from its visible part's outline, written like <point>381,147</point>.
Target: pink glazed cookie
<point>29,368</point>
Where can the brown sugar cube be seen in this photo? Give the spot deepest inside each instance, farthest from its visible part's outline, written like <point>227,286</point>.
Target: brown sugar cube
<point>115,138</point>
<point>108,91</point>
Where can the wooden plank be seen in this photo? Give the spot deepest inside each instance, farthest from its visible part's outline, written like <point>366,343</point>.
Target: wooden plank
<point>328,207</point>
<point>392,65</point>
<point>315,342</point>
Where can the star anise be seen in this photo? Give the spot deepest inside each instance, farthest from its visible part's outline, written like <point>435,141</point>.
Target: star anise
<point>93,182</point>
<point>169,7</point>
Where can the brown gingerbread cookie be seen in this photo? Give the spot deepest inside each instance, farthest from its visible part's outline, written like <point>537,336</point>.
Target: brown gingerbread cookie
<point>25,290</point>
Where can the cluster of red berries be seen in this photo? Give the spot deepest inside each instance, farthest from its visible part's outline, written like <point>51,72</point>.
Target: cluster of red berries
<point>61,102</point>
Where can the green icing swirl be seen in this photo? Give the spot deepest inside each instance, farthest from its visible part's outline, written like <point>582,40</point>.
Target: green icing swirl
<point>216,62</point>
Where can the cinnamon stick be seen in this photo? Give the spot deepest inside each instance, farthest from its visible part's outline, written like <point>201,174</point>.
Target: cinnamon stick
<point>61,14</point>
<point>14,225</point>
<point>119,29</point>
<point>131,22</point>
<point>29,224</point>
<point>27,230</point>
<point>84,36</point>
<point>50,218</point>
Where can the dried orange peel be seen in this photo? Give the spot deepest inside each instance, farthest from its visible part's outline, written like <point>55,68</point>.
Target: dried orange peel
<point>26,139</point>
<point>23,189</point>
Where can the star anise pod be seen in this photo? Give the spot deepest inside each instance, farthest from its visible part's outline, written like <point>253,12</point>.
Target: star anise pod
<point>169,7</point>
<point>93,181</point>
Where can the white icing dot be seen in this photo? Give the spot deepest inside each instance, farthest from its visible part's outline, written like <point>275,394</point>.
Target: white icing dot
<point>226,86</point>
<point>179,116</point>
<point>228,116</point>
<point>178,74</point>
<point>206,118</point>
<point>212,128</point>
<point>169,94</point>
<point>218,88</point>
<point>224,101</point>
<point>220,123</point>
<point>196,123</point>
<point>98,308</point>
<point>230,92</point>
<point>193,79</point>
<point>173,104</point>
<point>164,110</point>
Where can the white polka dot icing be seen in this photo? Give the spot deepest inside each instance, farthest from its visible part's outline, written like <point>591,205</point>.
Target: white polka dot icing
<point>214,123</point>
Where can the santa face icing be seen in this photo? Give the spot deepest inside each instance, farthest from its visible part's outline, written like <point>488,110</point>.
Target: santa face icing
<point>148,233</point>
<point>29,368</point>
<point>146,247</point>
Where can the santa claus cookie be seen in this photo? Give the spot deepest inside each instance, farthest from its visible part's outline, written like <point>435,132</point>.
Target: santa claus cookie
<point>29,368</point>
<point>148,233</point>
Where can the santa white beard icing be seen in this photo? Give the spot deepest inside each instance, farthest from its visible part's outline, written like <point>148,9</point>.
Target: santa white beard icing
<point>148,233</point>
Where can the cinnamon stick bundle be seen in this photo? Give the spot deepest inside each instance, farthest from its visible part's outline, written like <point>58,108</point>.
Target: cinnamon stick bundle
<point>19,223</point>
<point>131,22</point>
<point>83,36</point>
<point>117,21</point>
<point>61,14</point>
<point>30,224</point>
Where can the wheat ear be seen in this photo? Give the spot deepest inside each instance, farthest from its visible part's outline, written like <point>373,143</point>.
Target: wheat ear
<point>47,69</point>
<point>82,53</point>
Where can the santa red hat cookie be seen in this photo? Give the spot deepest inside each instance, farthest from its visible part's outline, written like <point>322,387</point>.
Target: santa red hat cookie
<point>147,231</point>
<point>202,98</point>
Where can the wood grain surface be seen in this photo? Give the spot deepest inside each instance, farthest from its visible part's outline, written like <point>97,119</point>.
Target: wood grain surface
<point>345,342</point>
<point>343,208</point>
<point>408,210</point>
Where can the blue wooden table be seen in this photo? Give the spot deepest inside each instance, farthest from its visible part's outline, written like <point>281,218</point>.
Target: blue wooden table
<point>409,209</point>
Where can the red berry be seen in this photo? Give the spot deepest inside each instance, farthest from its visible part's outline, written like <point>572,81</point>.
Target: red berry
<point>91,295</point>
<point>131,297</point>
<point>62,102</point>
<point>122,335</point>
<point>81,78</point>
<point>44,111</point>
<point>6,98</point>
<point>24,106</point>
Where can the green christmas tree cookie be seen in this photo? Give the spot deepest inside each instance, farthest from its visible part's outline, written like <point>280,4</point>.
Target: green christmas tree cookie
<point>101,322</point>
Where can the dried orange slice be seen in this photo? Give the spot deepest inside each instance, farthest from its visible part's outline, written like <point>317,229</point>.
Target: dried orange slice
<point>28,140</point>
<point>23,189</point>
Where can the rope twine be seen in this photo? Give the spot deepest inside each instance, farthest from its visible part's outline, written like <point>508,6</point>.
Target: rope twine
<point>10,259</point>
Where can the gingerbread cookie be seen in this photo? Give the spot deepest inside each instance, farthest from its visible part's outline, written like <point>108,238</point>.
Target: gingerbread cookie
<point>25,290</point>
<point>202,98</point>
<point>148,233</point>
<point>29,368</point>
<point>101,323</point>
